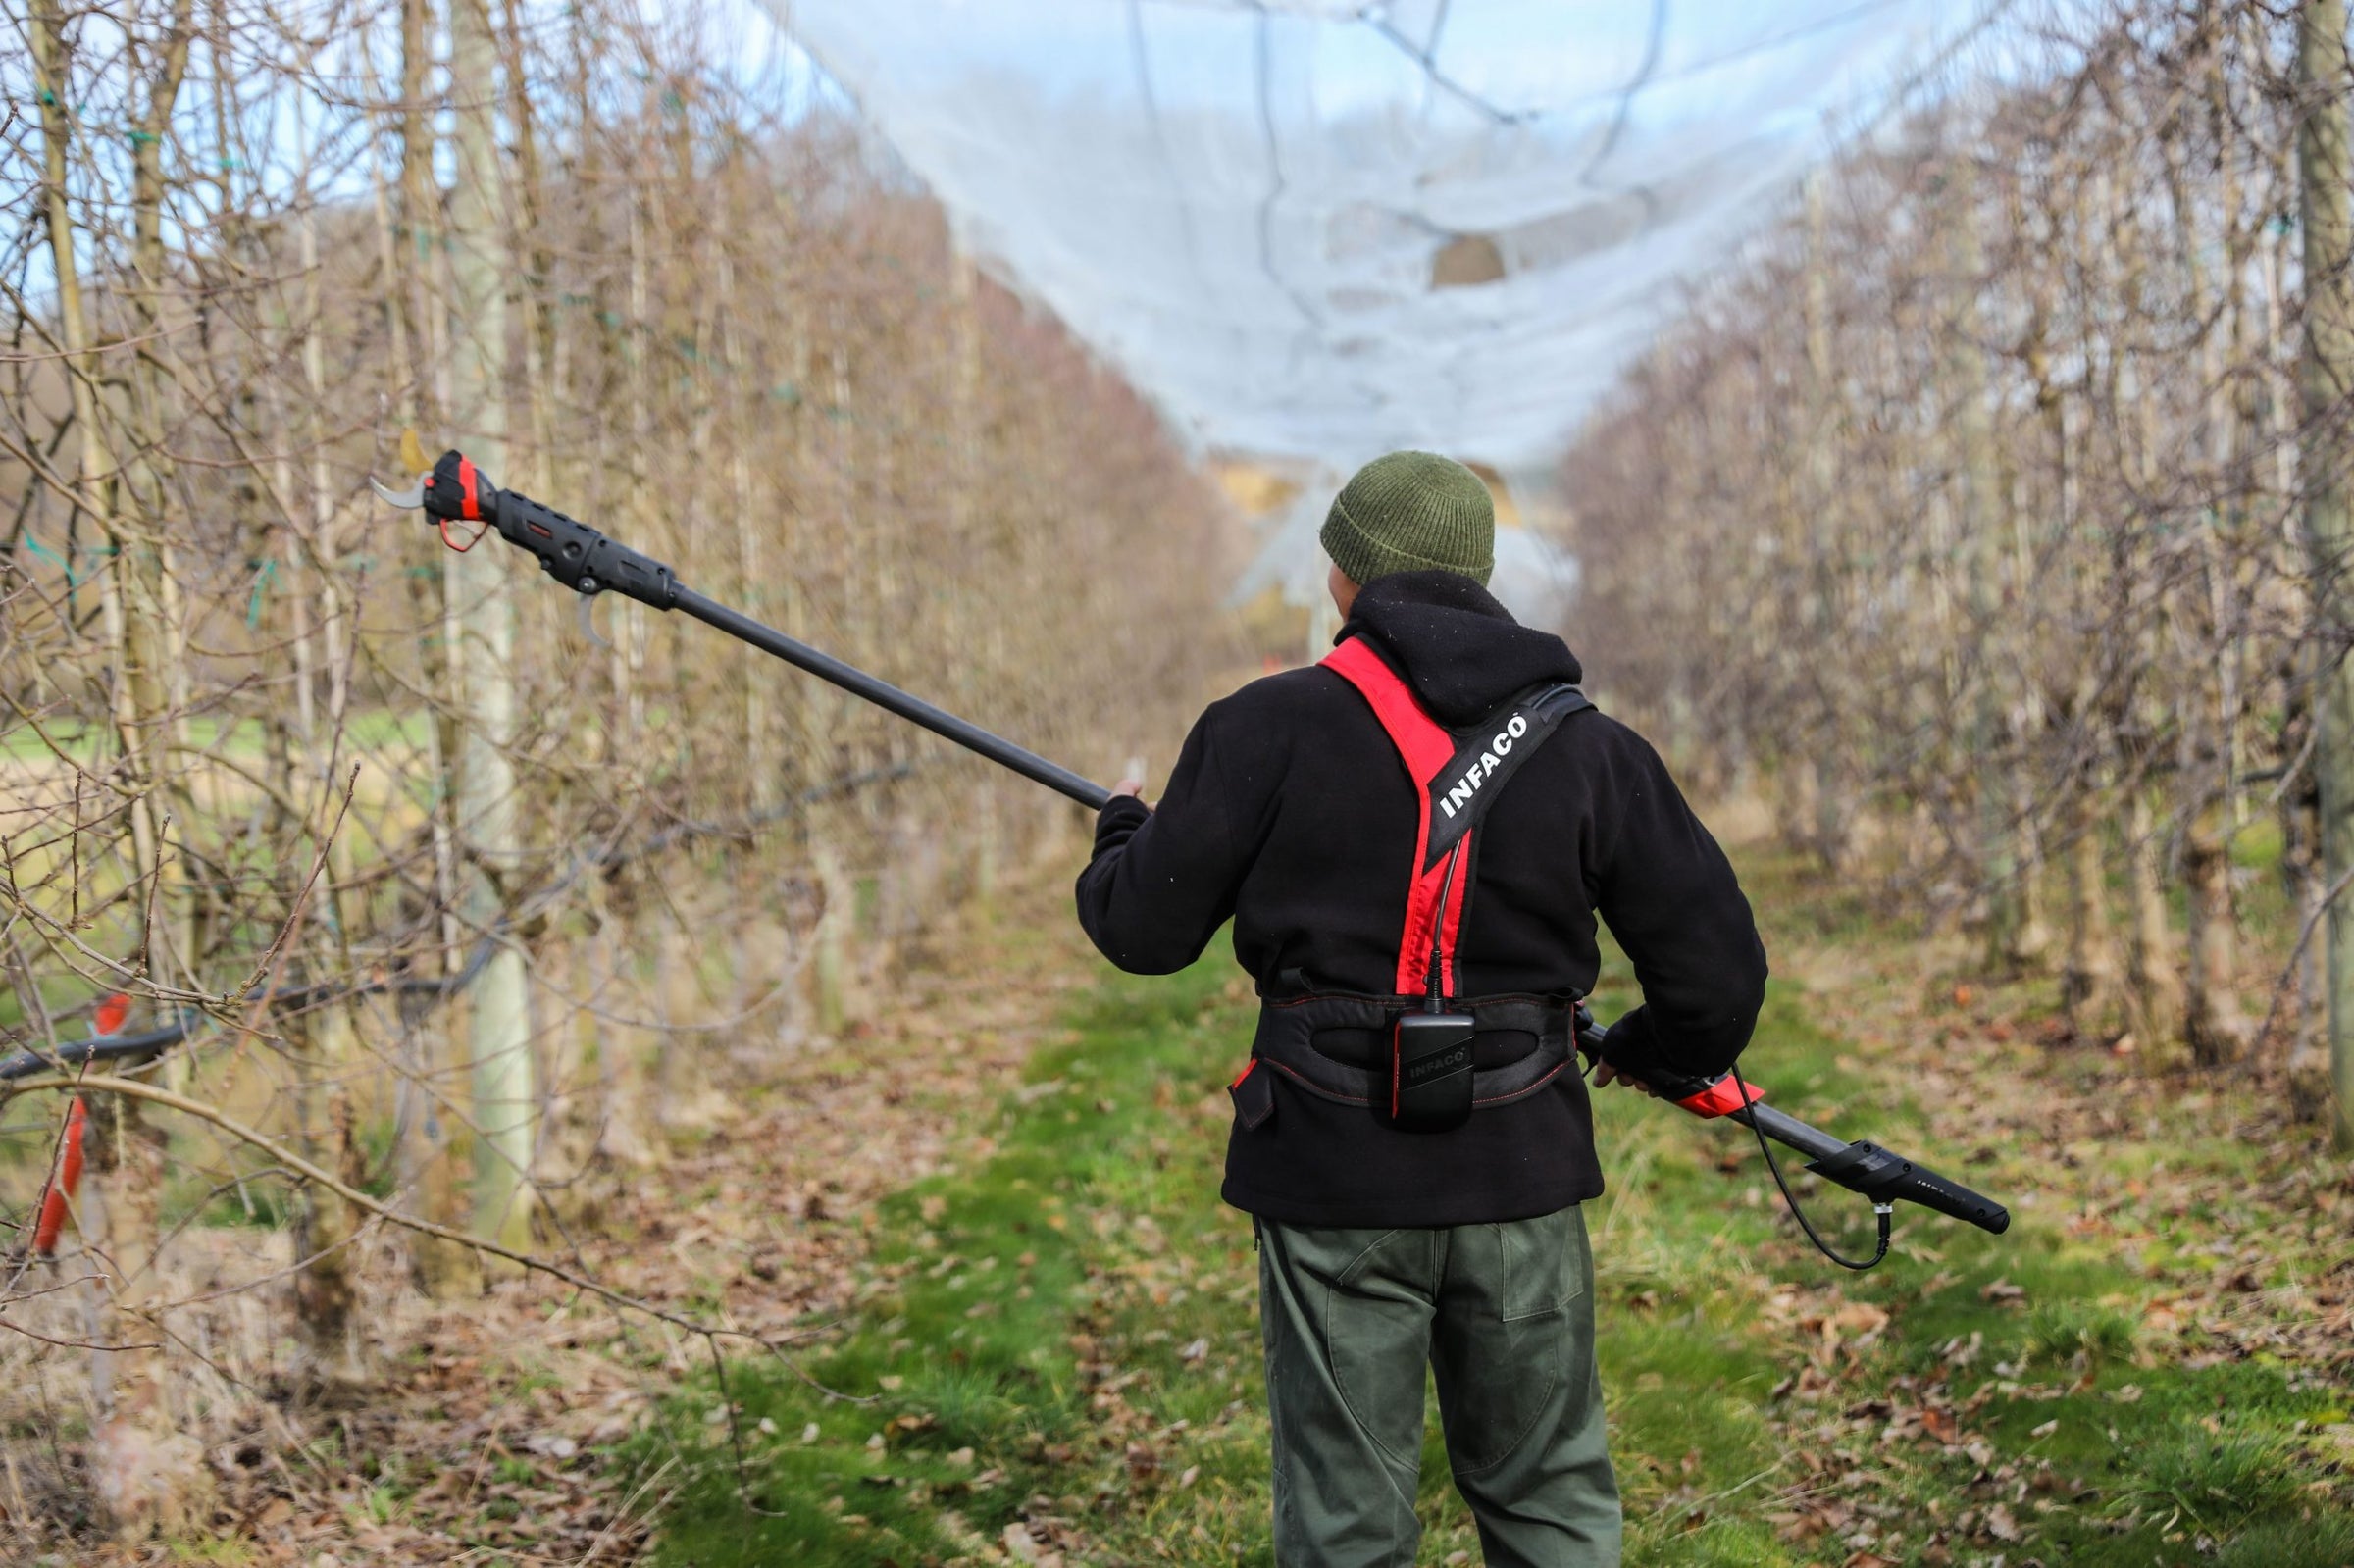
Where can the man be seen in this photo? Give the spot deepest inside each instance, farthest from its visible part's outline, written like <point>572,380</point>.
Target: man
<point>1406,1219</point>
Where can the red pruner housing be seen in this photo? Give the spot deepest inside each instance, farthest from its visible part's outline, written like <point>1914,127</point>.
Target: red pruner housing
<point>1721,1097</point>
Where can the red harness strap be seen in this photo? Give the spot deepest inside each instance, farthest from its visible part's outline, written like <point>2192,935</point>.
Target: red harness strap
<point>1425,749</point>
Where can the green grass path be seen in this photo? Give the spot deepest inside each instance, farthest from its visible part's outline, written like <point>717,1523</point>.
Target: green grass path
<point>1060,1338</point>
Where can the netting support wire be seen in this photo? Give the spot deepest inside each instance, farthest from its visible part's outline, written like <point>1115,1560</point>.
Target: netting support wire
<point>1426,55</point>
<point>1142,54</point>
<point>1264,69</point>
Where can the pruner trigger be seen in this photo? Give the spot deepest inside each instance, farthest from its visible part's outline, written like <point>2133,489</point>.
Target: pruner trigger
<point>408,500</point>
<point>587,603</point>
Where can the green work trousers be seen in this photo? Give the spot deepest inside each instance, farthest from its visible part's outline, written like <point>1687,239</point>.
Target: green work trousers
<point>1504,1316</point>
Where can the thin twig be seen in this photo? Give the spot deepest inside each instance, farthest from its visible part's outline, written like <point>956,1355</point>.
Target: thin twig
<point>2296,955</point>
<point>14,1327</point>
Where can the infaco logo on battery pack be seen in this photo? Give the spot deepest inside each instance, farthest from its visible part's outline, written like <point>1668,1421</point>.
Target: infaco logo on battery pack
<point>1444,1062</point>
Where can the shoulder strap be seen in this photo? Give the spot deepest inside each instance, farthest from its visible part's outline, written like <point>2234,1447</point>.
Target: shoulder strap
<point>1488,753</point>
<point>1425,749</point>
<point>1455,780</point>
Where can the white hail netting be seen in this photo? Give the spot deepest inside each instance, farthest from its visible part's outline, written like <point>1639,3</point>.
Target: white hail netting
<point>1323,228</point>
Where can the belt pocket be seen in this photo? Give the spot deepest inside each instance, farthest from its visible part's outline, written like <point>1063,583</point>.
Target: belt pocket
<point>1253,1096</point>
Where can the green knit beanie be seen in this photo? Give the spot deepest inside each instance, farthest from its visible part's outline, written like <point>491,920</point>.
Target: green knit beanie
<point>1412,512</point>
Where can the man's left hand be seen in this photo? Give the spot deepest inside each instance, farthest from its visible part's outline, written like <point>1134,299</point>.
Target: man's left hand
<point>1604,1074</point>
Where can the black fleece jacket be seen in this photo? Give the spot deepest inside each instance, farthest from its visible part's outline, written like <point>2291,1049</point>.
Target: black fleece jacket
<point>1291,812</point>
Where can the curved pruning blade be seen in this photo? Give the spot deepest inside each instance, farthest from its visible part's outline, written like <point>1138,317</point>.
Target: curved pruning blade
<point>408,500</point>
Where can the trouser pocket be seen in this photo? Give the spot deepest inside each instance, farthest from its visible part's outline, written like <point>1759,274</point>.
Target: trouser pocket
<point>1543,1264</point>
<point>1513,1343</point>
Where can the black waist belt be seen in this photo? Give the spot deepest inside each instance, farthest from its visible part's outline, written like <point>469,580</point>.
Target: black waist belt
<point>1336,1046</point>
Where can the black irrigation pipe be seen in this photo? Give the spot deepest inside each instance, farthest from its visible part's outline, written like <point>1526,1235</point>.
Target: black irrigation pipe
<point>148,1044</point>
<point>97,1048</point>
<point>155,1041</point>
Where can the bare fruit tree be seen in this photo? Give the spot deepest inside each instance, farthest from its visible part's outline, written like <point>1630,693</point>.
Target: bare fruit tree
<point>2014,551</point>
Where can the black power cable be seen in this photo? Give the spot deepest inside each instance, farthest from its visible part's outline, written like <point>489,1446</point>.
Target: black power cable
<point>1882,1208</point>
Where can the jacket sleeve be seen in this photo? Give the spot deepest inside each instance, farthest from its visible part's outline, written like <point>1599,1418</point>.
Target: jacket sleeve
<point>1671,899</point>
<point>1163,881</point>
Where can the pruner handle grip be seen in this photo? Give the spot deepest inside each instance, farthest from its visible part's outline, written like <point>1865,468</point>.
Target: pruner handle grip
<point>570,551</point>
<point>1883,1178</point>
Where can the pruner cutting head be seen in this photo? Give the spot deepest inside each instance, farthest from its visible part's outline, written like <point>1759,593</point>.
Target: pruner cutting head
<point>412,460</point>
<point>459,496</point>
<point>453,491</point>
<point>408,500</point>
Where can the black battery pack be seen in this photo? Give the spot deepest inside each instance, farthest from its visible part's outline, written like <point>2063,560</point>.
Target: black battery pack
<point>1430,1072</point>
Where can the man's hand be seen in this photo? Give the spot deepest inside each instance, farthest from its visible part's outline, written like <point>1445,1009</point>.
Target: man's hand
<point>1604,1074</point>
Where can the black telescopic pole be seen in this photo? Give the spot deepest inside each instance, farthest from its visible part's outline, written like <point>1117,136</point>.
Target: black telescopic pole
<point>1782,1127</point>
<point>882,694</point>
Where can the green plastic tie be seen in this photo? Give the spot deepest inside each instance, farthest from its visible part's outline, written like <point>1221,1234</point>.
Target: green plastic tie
<point>261,582</point>
<point>43,552</point>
